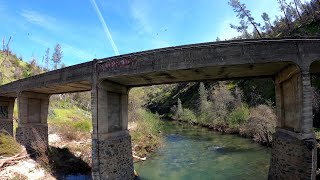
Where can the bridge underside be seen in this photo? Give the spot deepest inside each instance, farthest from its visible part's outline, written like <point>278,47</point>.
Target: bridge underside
<point>64,88</point>
<point>166,77</point>
<point>202,73</point>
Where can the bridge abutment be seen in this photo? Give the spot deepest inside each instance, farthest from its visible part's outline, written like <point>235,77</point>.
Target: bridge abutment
<point>111,142</point>
<point>33,113</point>
<point>294,145</point>
<point>6,114</point>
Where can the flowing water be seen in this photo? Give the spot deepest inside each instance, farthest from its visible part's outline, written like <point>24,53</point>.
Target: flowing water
<point>195,153</point>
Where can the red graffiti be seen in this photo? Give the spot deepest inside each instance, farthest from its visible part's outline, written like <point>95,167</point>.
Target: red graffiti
<point>111,64</point>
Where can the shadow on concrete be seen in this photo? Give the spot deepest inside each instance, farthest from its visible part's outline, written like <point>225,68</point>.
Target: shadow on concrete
<point>60,162</point>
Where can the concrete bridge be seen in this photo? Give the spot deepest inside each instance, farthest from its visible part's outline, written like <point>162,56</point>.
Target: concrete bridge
<point>289,61</point>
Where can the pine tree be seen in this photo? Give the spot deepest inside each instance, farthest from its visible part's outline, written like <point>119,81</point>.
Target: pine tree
<point>57,56</point>
<point>179,109</point>
<point>284,8</point>
<point>296,4</point>
<point>267,24</point>
<point>203,98</point>
<point>47,58</point>
<point>243,13</point>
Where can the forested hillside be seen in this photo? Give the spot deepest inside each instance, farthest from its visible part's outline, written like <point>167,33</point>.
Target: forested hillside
<point>13,68</point>
<point>239,105</point>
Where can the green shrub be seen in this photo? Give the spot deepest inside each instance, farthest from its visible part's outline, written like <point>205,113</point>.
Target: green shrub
<point>188,115</point>
<point>8,146</point>
<point>147,136</point>
<point>151,122</point>
<point>205,118</point>
<point>238,116</point>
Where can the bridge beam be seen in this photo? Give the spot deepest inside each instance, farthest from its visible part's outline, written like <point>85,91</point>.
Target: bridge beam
<point>6,114</point>
<point>293,150</point>
<point>111,142</point>
<point>33,113</point>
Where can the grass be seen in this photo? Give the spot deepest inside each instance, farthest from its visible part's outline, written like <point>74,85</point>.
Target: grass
<point>75,117</point>
<point>8,146</point>
<point>72,123</point>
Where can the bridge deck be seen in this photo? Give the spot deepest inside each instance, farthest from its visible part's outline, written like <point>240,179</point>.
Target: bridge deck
<point>217,60</point>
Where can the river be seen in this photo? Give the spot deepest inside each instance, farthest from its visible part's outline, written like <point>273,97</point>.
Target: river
<point>191,152</point>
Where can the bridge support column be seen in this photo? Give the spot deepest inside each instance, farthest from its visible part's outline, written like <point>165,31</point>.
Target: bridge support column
<point>32,124</point>
<point>111,142</point>
<point>293,150</point>
<point>6,114</point>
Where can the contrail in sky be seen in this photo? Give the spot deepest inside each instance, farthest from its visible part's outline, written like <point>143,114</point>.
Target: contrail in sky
<point>105,27</point>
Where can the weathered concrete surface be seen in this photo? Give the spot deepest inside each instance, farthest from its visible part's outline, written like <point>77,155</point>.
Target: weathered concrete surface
<point>289,61</point>
<point>221,60</point>
<point>6,114</point>
<point>114,156</point>
<point>111,144</point>
<point>292,157</point>
<point>294,100</point>
<point>71,79</point>
<point>294,144</point>
<point>218,60</point>
<point>33,114</point>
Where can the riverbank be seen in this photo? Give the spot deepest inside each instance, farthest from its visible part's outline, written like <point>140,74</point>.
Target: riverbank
<point>225,129</point>
<point>69,151</point>
<point>257,123</point>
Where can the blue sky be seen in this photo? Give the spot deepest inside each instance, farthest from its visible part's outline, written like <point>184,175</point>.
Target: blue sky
<point>133,25</point>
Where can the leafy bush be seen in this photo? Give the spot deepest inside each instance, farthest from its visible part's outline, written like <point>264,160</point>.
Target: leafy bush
<point>238,116</point>
<point>188,115</point>
<point>205,118</point>
<point>146,137</point>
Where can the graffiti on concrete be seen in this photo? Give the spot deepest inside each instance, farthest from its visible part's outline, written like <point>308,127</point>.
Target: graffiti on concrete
<point>4,112</point>
<point>112,64</point>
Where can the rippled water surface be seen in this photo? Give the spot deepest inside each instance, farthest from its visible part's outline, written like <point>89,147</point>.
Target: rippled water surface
<point>196,153</point>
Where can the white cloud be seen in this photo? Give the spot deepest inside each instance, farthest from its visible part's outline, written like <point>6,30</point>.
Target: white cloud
<point>39,19</point>
<point>76,52</point>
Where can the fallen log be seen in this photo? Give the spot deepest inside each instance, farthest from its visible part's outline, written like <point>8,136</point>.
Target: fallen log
<point>12,160</point>
<point>139,158</point>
